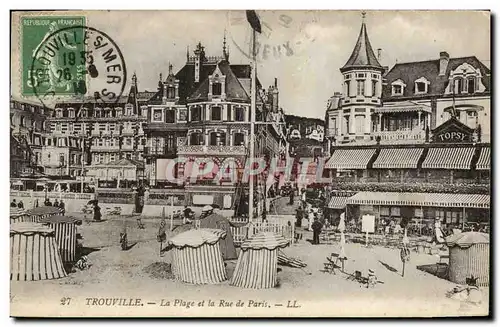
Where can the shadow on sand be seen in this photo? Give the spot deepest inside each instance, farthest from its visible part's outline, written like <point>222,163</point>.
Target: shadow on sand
<point>390,268</point>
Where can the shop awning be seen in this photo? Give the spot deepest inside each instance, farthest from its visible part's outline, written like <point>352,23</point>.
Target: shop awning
<point>484,161</point>
<point>449,158</point>
<point>421,199</point>
<point>398,158</point>
<point>403,107</point>
<point>338,202</point>
<point>350,159</point>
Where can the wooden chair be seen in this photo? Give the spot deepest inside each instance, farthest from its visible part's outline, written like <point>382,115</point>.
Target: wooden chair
<point>332,263</point>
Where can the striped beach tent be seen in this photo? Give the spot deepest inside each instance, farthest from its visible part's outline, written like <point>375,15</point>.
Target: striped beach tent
<point>257,265</point>
<point>39,213</point>
<point>196,256</point>
<point>33,253</point>
<point>65,230</point>
<point>18,215</point>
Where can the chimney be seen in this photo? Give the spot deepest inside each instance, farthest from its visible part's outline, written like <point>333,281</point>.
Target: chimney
<point>379,54</point>
<point>444,58</point>
<point>275,82</point>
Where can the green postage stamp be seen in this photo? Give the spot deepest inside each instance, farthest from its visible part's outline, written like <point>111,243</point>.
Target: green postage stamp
<point>53,58</point>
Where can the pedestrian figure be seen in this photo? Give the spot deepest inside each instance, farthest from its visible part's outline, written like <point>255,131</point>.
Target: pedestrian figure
<point>97,211</point>
<point>36,203</point>
<point>123,239</point>
<point>188,214</point>
<point>20,205</point>
<point>56,203</point>
<point>292,195</point>
<point>316,227</point>
<point>62,206</point>
<point>299,215</point>
<point>47,202</point>
<point>13,204</point>
<point>372,279</point>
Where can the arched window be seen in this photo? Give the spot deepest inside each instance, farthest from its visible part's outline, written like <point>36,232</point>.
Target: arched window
<point>170,92</point>
<point>23,121</point>
<point>196,139</point>
<point>471,85</point>
<point>217,138</point>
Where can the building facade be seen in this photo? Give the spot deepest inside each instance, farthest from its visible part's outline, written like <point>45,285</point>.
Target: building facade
<point>29,130</point>
<point>106,132</point>
<point>418,146</point>
<point>203,113</point>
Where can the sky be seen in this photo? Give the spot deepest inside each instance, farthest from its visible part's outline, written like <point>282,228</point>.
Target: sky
<point>320,43</point>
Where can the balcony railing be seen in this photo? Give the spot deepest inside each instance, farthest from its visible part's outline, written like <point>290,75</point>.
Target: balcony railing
<point>160,150</point>
<point>104,148</point>
<point>211,149</point>
<point>412,135</point>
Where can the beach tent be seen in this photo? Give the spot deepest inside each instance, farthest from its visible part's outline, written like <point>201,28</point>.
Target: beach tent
<point>257,265</point>
<point>39,213</point>
<point>18,215</point>
<point>216,221</point>
<point>33,253</point>
<point>65,231</point>
<point>196,256</point>
<point>469,256</point>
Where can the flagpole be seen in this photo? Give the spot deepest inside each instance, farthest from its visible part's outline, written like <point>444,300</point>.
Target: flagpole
<point>252,126</point>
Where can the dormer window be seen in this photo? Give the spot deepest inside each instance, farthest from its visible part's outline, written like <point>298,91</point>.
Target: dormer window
<point>170,92</point>
<point>71,113</point>
<point>216,88</point>
<point>458,85</point>
<point>128,109</point>
<point>398,87</point>
<point>421,85</point>
<point>471,85</point>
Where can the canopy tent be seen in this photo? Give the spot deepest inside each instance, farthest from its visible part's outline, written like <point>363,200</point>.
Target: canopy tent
<point>18,215</point>
<point>216,221</point>
<point>65,231</point>
<point>469,256</point>
<point>33,253</point>
<point>421,199</point>
<point>196,256</point>
<point>39,213</point>
<point>257,265</point>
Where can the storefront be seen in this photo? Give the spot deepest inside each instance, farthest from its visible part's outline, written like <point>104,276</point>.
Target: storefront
<point>453,210</point>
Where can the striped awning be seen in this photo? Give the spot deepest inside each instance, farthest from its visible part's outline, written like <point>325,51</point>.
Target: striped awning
<point>403,107</point>
<point>421,199</point>
<point>449,158</point>
<point>484,161</point>
<point>406,158</point>
<point>337,202</point>
<point>350,159</point>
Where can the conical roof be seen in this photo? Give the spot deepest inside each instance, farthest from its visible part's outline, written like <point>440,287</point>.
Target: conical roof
<point>467,239</point>
<point>362,56</point>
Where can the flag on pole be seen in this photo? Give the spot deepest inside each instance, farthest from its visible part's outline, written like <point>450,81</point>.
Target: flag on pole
<point>162,236</point>
<point>254,21</point>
